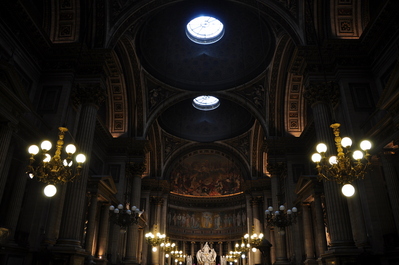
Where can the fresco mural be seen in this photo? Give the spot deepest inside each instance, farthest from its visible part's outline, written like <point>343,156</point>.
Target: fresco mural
<point>206,222</point>
<point>206,175</point>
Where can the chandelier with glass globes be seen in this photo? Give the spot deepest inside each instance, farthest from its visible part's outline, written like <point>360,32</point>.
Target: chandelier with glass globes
<point>281,218</point>
<point>342,168</point>
<point>124,216</point>
<point>155,239</point>
<point>56,169</point>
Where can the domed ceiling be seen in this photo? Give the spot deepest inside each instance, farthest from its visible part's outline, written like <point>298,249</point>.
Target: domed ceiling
<point>241,54</point>
<point>227,121</point>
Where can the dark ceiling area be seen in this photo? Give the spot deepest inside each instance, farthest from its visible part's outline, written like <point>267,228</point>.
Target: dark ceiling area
<point>242,54</point>
<point>227,121</point>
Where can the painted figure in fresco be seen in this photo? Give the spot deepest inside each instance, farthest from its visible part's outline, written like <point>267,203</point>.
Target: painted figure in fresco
<point>206,255</point>
<point>206,220</point>
<point>217,221</point>
<point>201,176</point>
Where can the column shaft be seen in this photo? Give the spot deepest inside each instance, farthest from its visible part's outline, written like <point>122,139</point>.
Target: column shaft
<point>337,208</point>
<point>257,229</point>
<point>91,224</point>
<point>72,225</point>
<point>103,233</point>
<point>392,182</point>
<point>132,242</point>
<point>308,235</point>
<point>279,236</point>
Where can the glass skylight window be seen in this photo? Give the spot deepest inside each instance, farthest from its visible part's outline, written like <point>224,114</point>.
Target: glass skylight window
<point>205,30</point>
<point>206,103</point>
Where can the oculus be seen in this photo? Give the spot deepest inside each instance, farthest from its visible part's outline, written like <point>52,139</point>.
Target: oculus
<point>206,103</point>
<point>205,30</point>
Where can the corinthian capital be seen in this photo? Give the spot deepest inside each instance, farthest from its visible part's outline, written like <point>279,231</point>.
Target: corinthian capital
<point>276,168</point>
<point>327,92</point>
<point>86,93</point>
<point>135,168</point>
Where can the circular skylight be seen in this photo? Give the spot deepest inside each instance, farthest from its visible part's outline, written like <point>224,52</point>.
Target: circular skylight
<point>206,103</point>
<point>205,30</point>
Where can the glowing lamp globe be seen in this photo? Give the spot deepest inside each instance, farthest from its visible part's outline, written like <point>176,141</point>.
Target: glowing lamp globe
<point>46,145</point>
<point>316,157</point>
<point>50,190</point>
<point>365,145</point>
<point>348,190</point>
<point>33,149</point>
<point>321,148</point>
<point>346,142</point>
<point>70,149</point>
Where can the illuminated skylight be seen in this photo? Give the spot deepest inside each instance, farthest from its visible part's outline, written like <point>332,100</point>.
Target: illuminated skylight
<point>206,103</point>
<point>205,30</point>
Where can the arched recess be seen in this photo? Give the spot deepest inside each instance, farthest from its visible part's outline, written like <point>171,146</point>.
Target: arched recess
<point>207,165</point>
<point>118,114</point>
<point>278,79</point>
<point>64,22</point>
<point>134,91</point>
<point>295,106</point>
<point>155,157</point>
<point>347,18</point>
<point>258,169</point>
<point>168,96</point>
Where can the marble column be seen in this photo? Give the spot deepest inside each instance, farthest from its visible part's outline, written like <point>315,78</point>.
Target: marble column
<point>257,256</point>
<point>342,245</point>
<point>157,201</point>
<point>273,247</point>
<point>135,171</point>
<point>276,169</point>
<point>55,217</point>
<point>308,235</point>
<point>102,242</point>
<point>357,219</point>
<point>192,249</point>
<point>91,226</point>
<point>392,183</point>
<point>220,248</point>
<point>90,96</point>
<point>6,131</point>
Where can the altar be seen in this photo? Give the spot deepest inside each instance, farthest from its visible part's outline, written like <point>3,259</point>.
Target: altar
<point>206,255</point>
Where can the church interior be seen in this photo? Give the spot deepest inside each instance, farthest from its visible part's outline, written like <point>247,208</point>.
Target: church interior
<point>198,128</point>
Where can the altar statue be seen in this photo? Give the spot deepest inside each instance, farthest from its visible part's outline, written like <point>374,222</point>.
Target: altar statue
<point>206,255</point>
<point>189,260</point>
<point>223,260</point>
